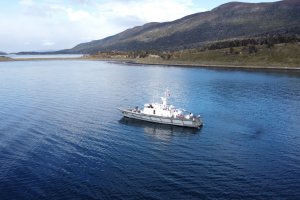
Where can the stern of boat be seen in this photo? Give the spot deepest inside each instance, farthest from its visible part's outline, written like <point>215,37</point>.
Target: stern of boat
<point>198,121</point>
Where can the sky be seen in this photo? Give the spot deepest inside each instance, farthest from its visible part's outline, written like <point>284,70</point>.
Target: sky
<point>42,25</point>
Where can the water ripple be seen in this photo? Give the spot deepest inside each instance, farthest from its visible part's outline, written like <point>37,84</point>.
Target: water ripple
<point>61,136</point>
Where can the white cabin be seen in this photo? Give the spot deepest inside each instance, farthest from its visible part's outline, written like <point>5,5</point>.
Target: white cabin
<point>163,109</point>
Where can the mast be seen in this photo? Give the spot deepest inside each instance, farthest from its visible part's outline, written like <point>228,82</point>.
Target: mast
<point>165,98</point>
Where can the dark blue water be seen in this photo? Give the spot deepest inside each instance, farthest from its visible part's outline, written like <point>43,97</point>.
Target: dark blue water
<point>61,136</point>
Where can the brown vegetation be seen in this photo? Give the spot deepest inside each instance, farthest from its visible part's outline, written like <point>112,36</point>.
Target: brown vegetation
<point>4,58</point>
<point>254,53</point>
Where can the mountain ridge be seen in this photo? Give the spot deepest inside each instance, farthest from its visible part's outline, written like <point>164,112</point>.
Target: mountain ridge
<point>228,21</point>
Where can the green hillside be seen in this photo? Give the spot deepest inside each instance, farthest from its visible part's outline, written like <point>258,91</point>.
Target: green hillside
<point>228,21</point>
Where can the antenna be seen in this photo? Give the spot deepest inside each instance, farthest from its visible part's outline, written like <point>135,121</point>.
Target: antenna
<point>153,98</point>
<point>165,98</point>
<point>167,93</point>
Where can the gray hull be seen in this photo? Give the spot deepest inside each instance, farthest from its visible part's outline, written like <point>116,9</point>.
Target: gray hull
<point>162,120</point>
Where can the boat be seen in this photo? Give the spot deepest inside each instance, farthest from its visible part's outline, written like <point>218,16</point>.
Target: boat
<point>163,113</point>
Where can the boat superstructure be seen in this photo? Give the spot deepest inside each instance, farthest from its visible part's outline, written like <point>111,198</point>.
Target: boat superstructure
<point>164,113</point>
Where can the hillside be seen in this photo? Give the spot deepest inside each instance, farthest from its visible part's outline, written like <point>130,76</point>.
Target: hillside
<point>277,56</point>
<point>228,21</point>
<point>2,53</point>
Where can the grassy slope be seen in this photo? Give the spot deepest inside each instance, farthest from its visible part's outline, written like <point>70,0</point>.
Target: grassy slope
<point>228,21</point>
<point>281,56</point>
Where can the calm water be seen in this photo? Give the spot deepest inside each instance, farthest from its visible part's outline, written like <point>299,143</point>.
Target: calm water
<point>45,56</point>
<point>61,136</point>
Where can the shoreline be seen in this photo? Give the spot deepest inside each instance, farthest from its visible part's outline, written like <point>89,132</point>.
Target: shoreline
<point>218,66</point>
<point>165,63</point>
<point>197,65</point>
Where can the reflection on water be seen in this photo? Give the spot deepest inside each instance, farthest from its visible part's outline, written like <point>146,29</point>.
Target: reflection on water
<point>159,131</point>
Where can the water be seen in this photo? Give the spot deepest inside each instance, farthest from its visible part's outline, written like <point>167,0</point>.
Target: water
<point>61,136</point>
<point>44,56</point>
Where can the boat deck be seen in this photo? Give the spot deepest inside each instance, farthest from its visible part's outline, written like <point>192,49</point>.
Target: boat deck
<point>196,123</point>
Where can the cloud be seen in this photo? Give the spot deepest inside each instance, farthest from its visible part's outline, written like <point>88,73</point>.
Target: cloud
<point>47,43</point>
<point>82,2</point>
<point>64,24</point>
<point>26,2</point>
<point>78,15</point>
<point>149,10</point>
